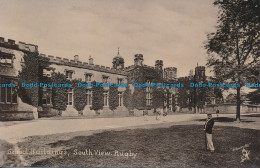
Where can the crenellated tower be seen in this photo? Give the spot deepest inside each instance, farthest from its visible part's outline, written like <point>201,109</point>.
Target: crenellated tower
<point>170,73</point>
<point>159,68</point>
<point>138,59</point>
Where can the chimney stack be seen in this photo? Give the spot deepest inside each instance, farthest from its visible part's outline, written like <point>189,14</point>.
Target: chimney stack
<point>76,58</point>
<point>2,39</point>
<point>10,41</point>
<point>90,60</point>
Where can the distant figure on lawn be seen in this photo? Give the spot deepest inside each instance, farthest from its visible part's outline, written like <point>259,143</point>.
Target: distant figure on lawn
<point>217,112</point>
<point>165,113</point>
<point>208,133</point>
<point>157,113</point>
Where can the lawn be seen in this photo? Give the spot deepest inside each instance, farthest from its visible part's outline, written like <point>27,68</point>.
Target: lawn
<point>174,146</point>
<point>8,160</point>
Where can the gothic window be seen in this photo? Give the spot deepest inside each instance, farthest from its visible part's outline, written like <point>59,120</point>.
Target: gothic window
<point>46,96</point>
<point>148,89</point>
<point>3,94</point>
<point>165,100</point>
<point>148,93</point>
<point>148,99</point>
<point>106,98</point>
<point>120,99</point>
<point>8,94</point>
<point>89,97</point>
<point>170,99</point>
<point>70,96</point>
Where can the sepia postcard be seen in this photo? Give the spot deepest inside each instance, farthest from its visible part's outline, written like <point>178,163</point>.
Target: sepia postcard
<point>130,83</point>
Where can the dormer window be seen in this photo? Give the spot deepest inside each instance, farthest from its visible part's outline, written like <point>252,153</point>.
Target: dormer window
<point>47,71</point>
<point>119,80</point>
<point>69,74</point>
<point>88,77</point>
<point>6,59</point>
<point>105,79</point>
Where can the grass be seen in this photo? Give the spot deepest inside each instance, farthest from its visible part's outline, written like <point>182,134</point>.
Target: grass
<point>175,146</point>
<point>8,160</point>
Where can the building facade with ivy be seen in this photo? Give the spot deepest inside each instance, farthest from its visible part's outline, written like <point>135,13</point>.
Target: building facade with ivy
<point>22,63</point>
<point>11,63</point>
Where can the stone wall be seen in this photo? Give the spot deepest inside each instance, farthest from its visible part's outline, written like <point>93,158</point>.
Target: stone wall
<point>231,108</point>
<point>16,115</point>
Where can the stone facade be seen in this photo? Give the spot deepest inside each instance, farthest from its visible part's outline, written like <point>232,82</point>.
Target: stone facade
<point>88,72</point>
<point>175,98</point>
<point>11,60</point>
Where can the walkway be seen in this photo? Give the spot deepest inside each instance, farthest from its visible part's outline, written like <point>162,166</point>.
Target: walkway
<point>17,132</point>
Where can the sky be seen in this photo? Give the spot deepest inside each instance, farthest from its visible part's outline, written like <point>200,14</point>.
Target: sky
<point>170,30</point>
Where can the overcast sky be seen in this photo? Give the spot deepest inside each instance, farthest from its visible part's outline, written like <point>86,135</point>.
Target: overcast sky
<point>170,30</point>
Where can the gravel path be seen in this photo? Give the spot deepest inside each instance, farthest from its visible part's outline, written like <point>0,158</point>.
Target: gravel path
<point>16,132</point>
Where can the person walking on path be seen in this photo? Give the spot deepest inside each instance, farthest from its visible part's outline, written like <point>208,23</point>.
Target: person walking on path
<point>208,133</point>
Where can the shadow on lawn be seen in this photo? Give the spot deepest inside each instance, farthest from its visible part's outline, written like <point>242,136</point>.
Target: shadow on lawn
<point>176,146</point>
<point>226,119</point>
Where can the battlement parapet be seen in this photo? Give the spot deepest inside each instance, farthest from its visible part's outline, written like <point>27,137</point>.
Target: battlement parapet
<point>84,65</point>
<point>65,59</point>
<point>171,68</point>
<point>21,46</point>
<point>129,68</point>
<point>147,66</point>
<point>42,55</point>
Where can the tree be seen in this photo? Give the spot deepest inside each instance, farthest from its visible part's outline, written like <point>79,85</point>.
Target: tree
<point>97,97</point>
<point>79,93</point>
<point>32,72</point>
<point>128,99</point>
<point>113,98</point>
<point>254,97</point>
<point>29,74</point>
<point>234,49</point>
<point>43,63</point>
<point>139,97</point>
<point>158,98</point>
<point>59,94</point>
